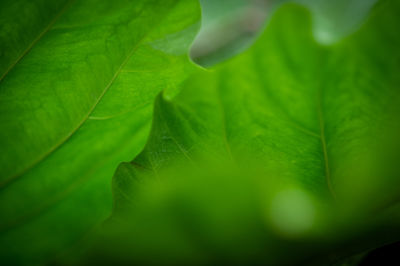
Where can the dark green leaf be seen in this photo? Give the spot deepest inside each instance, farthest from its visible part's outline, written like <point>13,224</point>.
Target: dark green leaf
<point>322,117</point>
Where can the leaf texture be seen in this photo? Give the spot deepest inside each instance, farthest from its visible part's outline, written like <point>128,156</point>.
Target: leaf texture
<point>304,105</point>
<point>76,99</point>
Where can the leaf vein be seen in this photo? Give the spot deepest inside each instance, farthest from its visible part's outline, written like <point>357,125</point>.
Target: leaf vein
<point>36,40</point>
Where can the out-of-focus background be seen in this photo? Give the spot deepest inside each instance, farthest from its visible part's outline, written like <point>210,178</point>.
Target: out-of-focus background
<point>230,26</point>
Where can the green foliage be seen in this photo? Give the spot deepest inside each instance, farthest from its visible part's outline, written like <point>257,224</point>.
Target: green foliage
<point>77,84</point>
<point>319,121</point>
<point>291,147</point>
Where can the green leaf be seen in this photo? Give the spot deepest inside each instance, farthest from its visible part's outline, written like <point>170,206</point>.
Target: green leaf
<point>76,94</point>
<point>322,117</point>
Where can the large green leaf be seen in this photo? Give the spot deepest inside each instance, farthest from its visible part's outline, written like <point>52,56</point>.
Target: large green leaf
<point>77,85</point>
<point>322,117</point>
<point>289,99</point>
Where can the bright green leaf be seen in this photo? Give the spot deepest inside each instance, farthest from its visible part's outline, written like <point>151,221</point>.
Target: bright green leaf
<point>78,80</point>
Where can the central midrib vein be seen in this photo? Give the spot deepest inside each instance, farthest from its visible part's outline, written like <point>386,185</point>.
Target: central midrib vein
<point>324,146</point>
<point>223,118</point>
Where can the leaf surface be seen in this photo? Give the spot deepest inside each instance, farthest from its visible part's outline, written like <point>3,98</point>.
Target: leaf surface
<point>76,103</point>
